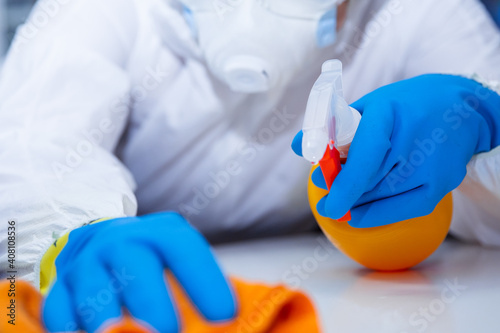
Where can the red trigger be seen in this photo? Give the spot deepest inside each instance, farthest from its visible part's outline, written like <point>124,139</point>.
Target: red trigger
<point>330,167</point>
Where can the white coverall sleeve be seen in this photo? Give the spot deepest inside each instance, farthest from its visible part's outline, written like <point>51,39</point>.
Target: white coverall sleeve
<point>64,94</point>
<point>459,37</point>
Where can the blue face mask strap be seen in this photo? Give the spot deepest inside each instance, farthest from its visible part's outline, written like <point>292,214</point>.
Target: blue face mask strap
<point>188,16</point>
<point>327,28</point>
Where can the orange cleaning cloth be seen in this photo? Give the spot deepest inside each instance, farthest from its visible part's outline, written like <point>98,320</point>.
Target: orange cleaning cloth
<point>262,309</point>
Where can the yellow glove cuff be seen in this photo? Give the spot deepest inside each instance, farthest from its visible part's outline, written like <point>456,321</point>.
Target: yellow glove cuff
<point>48,271</point>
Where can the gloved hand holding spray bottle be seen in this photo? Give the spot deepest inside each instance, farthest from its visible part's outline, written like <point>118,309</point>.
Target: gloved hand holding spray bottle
<point>330,125</point>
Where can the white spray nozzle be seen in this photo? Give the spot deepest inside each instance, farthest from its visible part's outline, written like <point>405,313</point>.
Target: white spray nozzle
<point>328,118</point>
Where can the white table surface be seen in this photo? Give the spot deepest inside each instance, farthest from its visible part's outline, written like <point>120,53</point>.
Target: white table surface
<point>350,298</point>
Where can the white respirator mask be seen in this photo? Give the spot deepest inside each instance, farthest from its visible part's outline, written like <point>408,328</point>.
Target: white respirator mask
<point>256,45</point>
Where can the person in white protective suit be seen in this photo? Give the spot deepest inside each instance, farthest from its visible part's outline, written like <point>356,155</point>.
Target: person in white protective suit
<point>116,109</point>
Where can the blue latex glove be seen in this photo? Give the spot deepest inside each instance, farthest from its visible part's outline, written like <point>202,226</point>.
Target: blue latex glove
<point>120,263</point>
<point>412,146</point>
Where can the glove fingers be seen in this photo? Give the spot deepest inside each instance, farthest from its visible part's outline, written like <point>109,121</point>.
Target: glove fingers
<point>58,313</point>
<point>391,185</point>
<point>362,170</point>
<point>320,207</point>
<point>404,206</point>
<point>189,257</point>
<point>318,179</point>
<point>94,297</point>
<point>297,143</point>
<point>143,289</point>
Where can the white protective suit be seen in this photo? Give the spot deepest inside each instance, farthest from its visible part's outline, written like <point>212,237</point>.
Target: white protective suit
<point>108,110</point>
